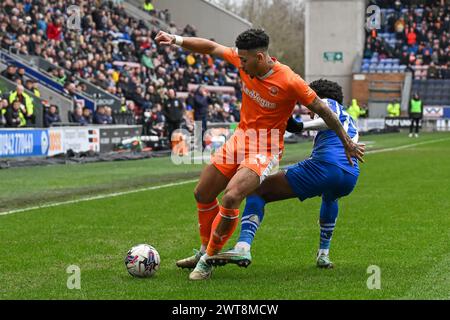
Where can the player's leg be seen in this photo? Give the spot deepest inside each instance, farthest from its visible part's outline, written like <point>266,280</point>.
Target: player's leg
<point>211,183</point>
<point>417,120</point>
<point>280,186</point>
<point>274,188</point>
<point>243,183</point>
<point>327,221</point>
<point>411,128</point>
<point>341,184</point>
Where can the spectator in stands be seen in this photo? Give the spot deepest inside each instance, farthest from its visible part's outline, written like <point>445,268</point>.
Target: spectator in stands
<point>26,100</point>
<point>51,116</point>
<point>61,76</point>
<point>411,36</point>
<point>70,89</point>
<point>109,116</point>
<point>147,59</point>
<point>445,71</point>
<point>14,115</point>
<point>415,114</point>
<point>188,121</point>
<point>400,28</point>
<point>100,116</point>
<point>10,72</point>
<point>432,72</point>
<point>77,116</point>
<point>32,86</point>
<point>200,106</point>
<point>154,122</point>
<point>87,115</point>
<point>21,75</point>
<point>393,109</point>
<point>368,53</point>
<point>54,29</point>
<point>235,109</point>
<point>189,31</point>
<point>173,111</point>
<point>3,108</point>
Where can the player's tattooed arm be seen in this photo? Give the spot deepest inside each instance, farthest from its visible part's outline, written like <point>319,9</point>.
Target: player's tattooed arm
<point>198,45</point>
<point>352,149</point>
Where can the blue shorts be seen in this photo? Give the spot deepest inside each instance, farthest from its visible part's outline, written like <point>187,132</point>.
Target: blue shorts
<point>312,178</point>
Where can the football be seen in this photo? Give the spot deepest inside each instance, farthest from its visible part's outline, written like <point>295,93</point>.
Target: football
<point>142,261</point>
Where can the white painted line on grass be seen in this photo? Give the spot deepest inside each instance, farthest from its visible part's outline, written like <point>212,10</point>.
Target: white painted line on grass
<point>102,196</point>
<point>117,194</point>
<point>406,146</point>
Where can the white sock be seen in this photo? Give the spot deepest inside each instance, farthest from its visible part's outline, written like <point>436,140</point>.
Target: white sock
<point>202,248</point>
<point>204,256</point>
<point>324,252</point>
<point>242,246</point>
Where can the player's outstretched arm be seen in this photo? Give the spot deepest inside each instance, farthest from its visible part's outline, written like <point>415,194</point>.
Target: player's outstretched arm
<point>295,127</point>
<point>352,149</point>
<point>198,45</point>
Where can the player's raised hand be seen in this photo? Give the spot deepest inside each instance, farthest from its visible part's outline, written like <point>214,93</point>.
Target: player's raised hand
<point>163,38</point>
<point>355,150</point>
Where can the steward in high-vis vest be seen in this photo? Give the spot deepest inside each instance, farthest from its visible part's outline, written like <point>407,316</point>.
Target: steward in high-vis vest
<point>355,111</point>
<point>24,99</point>
<point>393,109</point>
<point>148,6</point>
<point>415,114</point>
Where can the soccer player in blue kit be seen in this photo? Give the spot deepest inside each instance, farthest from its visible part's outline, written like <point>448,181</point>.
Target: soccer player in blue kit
<point>327,173</point>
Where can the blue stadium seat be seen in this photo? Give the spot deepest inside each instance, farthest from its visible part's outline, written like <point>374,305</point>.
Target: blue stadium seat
<point>388,68</point>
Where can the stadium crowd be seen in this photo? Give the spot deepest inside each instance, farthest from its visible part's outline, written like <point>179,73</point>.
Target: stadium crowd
<point>117,53</point>
<point>416,34</point>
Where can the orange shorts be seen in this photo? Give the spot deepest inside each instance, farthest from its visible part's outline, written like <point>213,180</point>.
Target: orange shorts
<point>238,153</point>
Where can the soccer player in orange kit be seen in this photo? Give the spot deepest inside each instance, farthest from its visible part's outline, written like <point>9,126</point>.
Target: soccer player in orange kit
<point>270,92</point>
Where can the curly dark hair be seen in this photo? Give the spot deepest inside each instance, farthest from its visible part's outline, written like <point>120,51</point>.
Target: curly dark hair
<point>253,39</point>
<point>328,89</point>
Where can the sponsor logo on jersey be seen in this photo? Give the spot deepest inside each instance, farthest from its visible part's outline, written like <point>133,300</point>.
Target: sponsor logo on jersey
<point>273,91</point>
<point>257,98</point>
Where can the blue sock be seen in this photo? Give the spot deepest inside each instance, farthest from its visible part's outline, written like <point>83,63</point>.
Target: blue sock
<point>251,218</point>
<point>328,216</point>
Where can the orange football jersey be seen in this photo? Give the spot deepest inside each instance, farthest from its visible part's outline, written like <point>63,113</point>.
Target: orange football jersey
<point>268,102</point>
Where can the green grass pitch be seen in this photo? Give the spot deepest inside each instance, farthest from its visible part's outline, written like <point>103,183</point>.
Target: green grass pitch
<point>398,218</point>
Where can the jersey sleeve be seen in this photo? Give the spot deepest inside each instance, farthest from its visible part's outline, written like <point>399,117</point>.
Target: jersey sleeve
<point>230,55</point>
<point>301,91</point>
<point>332,105</point>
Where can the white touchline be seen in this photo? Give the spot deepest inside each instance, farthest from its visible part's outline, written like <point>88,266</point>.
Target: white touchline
<point>102,196</point>
<point>406,146</point>
<point>117,194</point>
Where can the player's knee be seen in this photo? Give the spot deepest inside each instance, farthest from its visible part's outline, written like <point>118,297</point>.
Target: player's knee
<point>232,199</point>
<point>199,196</point>
<point>202,196</point>
<point>264,192</point>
